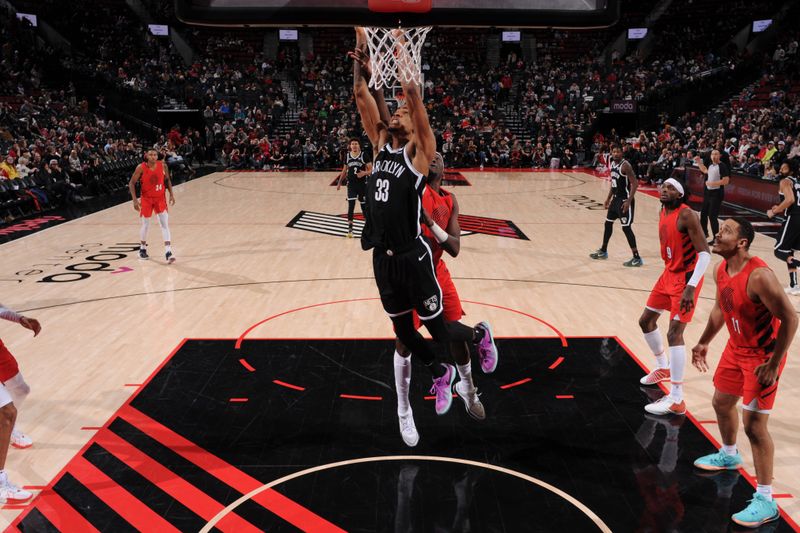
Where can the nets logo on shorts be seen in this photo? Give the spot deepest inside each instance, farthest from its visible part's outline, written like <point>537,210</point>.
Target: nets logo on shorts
<point>726,299</point>
<point>432,303</point>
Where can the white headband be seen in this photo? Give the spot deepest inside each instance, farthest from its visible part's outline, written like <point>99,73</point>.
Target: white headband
<point>675,183</point>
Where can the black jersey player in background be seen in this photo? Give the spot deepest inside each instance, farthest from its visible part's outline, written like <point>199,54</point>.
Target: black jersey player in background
<point>620,204</point>
<point>401,258</point>
<point>789,236</point>
<point>356,169</point>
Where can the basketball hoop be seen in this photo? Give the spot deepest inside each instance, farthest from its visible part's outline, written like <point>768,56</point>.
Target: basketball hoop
<point>395,55</point>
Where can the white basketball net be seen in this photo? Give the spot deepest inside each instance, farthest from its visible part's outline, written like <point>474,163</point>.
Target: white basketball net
<point>395,55</point>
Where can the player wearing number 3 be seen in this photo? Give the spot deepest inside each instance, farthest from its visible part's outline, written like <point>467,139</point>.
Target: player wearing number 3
<point>685,253</point>
<point>154,175</point>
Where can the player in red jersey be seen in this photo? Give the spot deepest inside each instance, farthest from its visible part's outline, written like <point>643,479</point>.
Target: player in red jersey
<point>761,324</point>
<point>154,175</point>
<point>440,210</point>
<point>685,253</point>
<point>13,391</point>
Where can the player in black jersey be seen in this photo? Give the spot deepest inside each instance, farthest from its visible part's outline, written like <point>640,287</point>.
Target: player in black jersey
<point>403,148</point>
<point>356,169</point>
<point>789,236</point>
<point>620,205</point>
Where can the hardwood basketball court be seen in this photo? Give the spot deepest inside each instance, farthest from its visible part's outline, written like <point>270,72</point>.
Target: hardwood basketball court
<point>110,320</point>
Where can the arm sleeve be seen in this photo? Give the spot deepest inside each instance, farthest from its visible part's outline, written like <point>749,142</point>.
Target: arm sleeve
<point>8,314</point>
<point>703,260</point>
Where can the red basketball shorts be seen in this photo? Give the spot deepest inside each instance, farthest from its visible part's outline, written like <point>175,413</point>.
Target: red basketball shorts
<point>667,292</point>
<point>736,375</point>
<point>8,364</point>
<point>150,205</point>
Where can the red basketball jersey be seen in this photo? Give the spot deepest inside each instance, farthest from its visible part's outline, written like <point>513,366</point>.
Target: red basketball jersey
<point>677,249</point>
<point>752,327</point>
<point>153,180</point>
<point>439,206</point>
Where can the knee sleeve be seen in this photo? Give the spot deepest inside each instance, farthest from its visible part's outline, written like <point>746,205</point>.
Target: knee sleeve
<point>410,337</point>
<point>163,221</point>
<point>143,229</point>
<point>18,389</point>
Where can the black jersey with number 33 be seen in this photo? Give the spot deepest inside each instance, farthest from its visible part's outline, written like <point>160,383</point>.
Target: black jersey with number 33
<point>394,201</point>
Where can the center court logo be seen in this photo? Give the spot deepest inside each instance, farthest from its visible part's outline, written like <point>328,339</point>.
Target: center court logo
<point>576,201</point>
<point>77,263</point>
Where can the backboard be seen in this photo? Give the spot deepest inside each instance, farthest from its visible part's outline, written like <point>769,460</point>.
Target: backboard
<point>407,13</point>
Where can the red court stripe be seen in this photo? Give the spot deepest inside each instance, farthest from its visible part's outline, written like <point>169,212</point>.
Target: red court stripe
<point>61,514</point>
<point>556,363</point>
<point>356,397</point>
<point>292,512</point>
<point>247,365</point>
<point>706,421</point>
<point>120,500</point>
<point>34,487</point>
<point>288,385</point>
<point>520,382</point>
<point>564,396</point>
<point>238,400</point>
<point>133,384</point>
<point>196,500</point>
<point>92,428</point>
<point>786,495</point>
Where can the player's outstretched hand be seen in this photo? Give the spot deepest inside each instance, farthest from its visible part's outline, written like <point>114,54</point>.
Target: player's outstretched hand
<point>135,205</point>
<point>360,56</point>
<point>699,357</point>
<point>687,299</point>
<point>31,324</point>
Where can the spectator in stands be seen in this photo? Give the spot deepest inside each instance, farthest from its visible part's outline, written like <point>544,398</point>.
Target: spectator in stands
<point>9,168</point>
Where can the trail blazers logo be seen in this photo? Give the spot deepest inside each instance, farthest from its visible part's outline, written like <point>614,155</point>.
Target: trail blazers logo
<point>337,225</point>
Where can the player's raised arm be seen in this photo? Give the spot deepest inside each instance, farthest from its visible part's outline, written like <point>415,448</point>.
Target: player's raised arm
<point>424,140</point>
<point>365,102</point>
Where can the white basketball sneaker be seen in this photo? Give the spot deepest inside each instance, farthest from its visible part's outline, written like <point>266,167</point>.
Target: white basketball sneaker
<point>20,440</point>
<point>408,430</point>
<point>10,493</point>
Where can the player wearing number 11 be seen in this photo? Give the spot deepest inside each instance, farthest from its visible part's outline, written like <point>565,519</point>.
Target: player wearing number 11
<point>761,324</point>
<point>154,175</point>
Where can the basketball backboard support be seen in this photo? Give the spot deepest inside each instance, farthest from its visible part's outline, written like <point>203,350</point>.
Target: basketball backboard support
<point>406,13</point>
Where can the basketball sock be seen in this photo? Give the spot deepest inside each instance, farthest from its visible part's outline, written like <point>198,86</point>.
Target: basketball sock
<point>465,373</point>
<point>402,382</point>
<point>143,246</point>
<point>677,365</point>
<point>167,248</point>
<point>765,491</point>
<point>729,449</point>
<point>656,344</point>
<point>609,229</point>
<point>631,239</point>
<point>792,277</point>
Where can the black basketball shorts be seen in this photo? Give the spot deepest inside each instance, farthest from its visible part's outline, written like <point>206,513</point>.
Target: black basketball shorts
<point>615,212</point>
<point>407,281</point>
